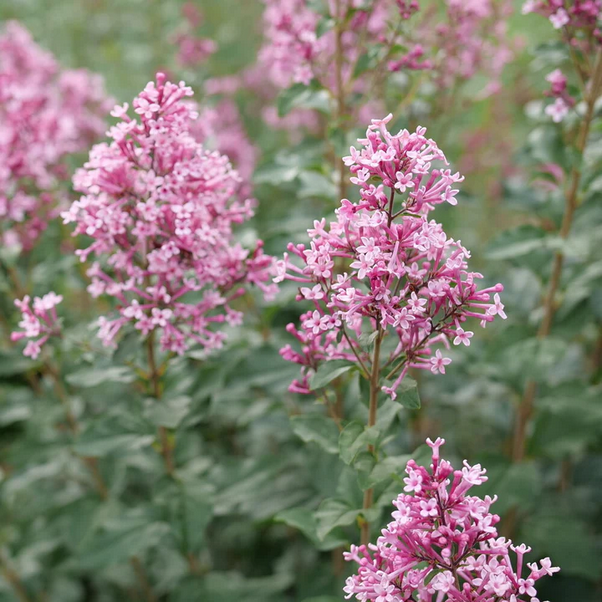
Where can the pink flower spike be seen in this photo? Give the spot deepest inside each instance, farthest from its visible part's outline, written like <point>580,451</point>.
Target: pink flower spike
<point>161,210</point>
<point>433,527</point>
<point>399,268</point>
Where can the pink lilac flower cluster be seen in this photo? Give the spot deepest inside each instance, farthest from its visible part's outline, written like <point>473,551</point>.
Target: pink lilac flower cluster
<point>192,49</point>
<point>160,210</point>
<point>384,266</point>
<point>407,8</point>
<point>293,51</point>
<point>38,322</point>
<point>571,15</point>
<point>45,114</point>
<point>472,37</point>
<point>442,544</point>
<point>559,109</point>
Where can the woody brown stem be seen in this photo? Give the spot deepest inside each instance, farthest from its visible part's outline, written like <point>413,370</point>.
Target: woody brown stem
<point>142,579</point>
<point>14,580</point>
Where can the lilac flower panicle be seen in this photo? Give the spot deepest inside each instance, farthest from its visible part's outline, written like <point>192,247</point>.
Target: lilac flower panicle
<point>383,264</point>
<point>45,114</point>
<point>39,322</point>
<point>443,545</point>
<point>160,209</point>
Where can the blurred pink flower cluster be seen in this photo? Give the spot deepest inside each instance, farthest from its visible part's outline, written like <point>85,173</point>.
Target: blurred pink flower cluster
<point>384,266</point>
<point>571,15</point>
<point>45,114</point>
<point>160,210</point>
<point>559,109</point>
<point>468,37</point>
<point>295,52</point>
<point>442,544</point>
<point>38,323</point>
<point>193,50</point>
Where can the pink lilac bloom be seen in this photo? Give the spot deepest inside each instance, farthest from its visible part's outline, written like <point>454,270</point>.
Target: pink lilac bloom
<point>46,114</point>
<point>160,209</point>
<point>442,544</point>
<point>192,49</point>
<point>294,52</point>
<point>471,38</point>
<point>383,264</point>
<point>38,322</point>
<point>580,19</point>
<point>558,110</point>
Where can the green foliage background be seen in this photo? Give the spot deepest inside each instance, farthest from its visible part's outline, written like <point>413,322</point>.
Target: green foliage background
<point>267,492</point>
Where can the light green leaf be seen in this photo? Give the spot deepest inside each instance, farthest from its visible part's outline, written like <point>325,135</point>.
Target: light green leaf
<point>334,513</point>
<point>302,96</point>
<point>407,394</point>
<point>318,429</point>
<point>169,412</point>
<point>328,371</point>
<point>354,438</point>
<point>93,377</point>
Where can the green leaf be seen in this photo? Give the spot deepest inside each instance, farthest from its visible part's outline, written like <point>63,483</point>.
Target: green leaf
<point>119,540</point>
<point>304,520</point>
<point>314,185</point>
<point>169,412</point>
<point>302,96</point>
<point>384,470</point>
<point>355,438</point>
<point>90,446</point>
<point>324,25</point>
<point>407,394</point>
<point>318,429</point>
<point>334,513</point>
<point>328,371</point>
<point>114,433</point>
<point>197,512</point>
<point>14,363</point>
<point>517,243</point>
<point>93,377</point>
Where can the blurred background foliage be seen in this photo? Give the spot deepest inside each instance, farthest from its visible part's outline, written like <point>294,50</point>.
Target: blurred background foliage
<point>240,522</point>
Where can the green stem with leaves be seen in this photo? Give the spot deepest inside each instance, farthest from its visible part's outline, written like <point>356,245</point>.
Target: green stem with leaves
<point>372,412</point>
<point>525,408</point>
<point>154,377</point>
